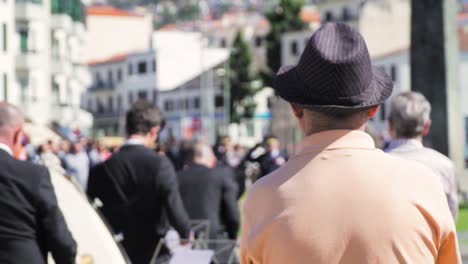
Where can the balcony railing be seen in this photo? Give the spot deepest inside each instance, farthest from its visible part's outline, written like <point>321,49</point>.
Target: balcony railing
<point>101,86</point>
<point>39,2</point>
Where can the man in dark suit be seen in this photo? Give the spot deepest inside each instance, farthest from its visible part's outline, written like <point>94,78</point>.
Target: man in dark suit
<point>31,223</point>
<point>139,189</point>
<point>208,194</point>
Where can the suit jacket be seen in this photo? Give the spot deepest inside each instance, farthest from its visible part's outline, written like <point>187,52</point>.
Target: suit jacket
<point>341,200</point>
<point>31,223</point>
<point>210,194</point>
<point>140,196</point>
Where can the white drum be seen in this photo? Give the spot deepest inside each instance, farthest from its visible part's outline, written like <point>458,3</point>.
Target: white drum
<point>96,245</point>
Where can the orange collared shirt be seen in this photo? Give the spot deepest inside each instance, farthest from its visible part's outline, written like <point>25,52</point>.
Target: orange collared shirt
<point>341,200</point>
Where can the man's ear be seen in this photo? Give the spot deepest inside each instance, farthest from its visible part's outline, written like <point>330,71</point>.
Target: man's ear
<point>427,128</point>
<point>297,111</point>
<point>18,136</point>
<point>373,112</point>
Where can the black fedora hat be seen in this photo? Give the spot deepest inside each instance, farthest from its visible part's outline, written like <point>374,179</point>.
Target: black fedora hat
<point>334,74</point>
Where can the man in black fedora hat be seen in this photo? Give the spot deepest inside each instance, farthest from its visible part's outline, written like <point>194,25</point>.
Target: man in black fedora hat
<point>341,200</point>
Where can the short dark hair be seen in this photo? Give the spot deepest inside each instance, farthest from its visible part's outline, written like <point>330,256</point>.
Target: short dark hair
<point>142,117</point>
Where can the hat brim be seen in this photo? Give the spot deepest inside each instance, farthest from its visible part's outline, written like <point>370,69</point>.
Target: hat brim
<point>287,85</point>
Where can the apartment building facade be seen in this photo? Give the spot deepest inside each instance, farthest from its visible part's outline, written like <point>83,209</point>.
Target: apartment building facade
<point>43,71</point>
<point>7,67</point>
<point>117,83</point>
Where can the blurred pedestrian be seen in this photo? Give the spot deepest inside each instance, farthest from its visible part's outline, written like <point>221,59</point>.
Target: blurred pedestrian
<point>139,188</point>
<point>31,223</point>
<point>210,194</point>
<point>341,200</point>
<point>236,155</point>
<point>104,152</point>
<point>409,123</point>
<point>173,152</point>
<point>93,153</point>
<point>272,158</point>
<point>49,159</point>
<point>77,164</point>
<point>63,149</point>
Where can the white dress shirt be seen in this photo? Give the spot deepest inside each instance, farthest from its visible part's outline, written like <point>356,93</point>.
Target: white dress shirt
<point>6,148</point>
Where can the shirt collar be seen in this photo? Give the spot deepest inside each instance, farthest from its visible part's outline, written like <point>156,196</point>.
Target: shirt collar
<point>6,148</point>
<point>134,141</point>
<point>336,139</point>
<point>398,143</point>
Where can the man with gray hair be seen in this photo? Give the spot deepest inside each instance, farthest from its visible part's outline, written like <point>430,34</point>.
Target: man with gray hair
<point>209,194</point>
<point>409,122</point>
<point>31,223</point>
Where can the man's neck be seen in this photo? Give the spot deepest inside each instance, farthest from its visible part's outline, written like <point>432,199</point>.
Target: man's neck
<point>312,131</point>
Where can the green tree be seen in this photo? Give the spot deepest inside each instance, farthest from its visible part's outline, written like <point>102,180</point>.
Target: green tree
<point>241,79</point>
<point>285,17</point>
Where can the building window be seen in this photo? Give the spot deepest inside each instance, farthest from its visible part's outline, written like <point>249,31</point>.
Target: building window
<point>346,14</point>
<point>153,64</point>
<point>196,102</point>
<point>5,36</point>
<point>100,107</point>
<point>90,105</point>
<point>142,67</point>
<point>328,16</point>
<point>258,41</point>
<point>110,104</point>
<point>119,75</point>
<point>130,98</point>
<point>142,95</point>
<point>130,69</point>
<point>5,87</point>
<point>56,93</point>
<point>119,103</point>
<point>155,96</point>
<point>23,40</point>
<point>393,72</point>
<point>168,105</point>
<point>223,43</point>
<point>110,78</point>
<point>24,83</point>
<point>98,80</point>
<point>219,101</point>
<point>294,48</point>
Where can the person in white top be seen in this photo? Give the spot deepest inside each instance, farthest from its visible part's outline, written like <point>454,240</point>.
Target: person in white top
<point>409,123</point>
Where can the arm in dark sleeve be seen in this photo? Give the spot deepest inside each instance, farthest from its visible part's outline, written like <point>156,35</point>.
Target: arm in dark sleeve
<point>240,177</point>
<point>94,185</point>
<point>178,217</point>
<point>230,210</point>
<point>58,238</point>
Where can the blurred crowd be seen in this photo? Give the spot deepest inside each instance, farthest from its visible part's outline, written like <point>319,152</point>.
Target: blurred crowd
<point>76,158</point>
